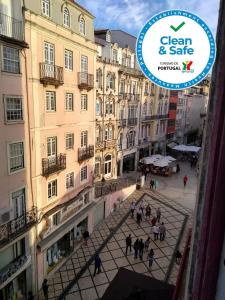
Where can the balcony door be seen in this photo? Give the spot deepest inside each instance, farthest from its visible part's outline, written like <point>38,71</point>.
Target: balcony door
<point>18,202</point>
<point>84,139</point>
<point>49,60</point>
<point>52,149</point>
<point>84,69</point>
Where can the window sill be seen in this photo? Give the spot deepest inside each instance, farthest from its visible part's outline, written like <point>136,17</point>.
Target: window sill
<point>11,73</point>
<point>17,171</point>
<point>14,122</point>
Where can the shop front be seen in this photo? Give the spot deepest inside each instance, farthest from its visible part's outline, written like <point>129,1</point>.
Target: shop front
<point>16,289</point>
<point>144,152</point>
<point>129,162</point>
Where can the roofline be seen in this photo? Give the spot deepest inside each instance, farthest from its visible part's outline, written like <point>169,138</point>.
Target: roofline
<point>81,7</point>
<point>124,32</point>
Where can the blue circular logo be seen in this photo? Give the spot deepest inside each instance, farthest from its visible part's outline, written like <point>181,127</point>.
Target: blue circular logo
<point>175,49</point>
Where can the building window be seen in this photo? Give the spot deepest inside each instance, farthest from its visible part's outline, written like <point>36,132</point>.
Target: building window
<point>108,37</point>
<point>50,101</point>
<point>13,108</point>
<point>82,26</point>
<point>56,218</point>
<point>19,203</point>
<point>111,81</point>
<point>144,109</point>
<point>16,156</point>
<point>68,60</point>
<point>51,146</point>
<point>66,17</point>
<point>86,198</point>
<point>108,164</point>
<point>97,134</point>
<point>83,173</point>
<point>69,141</point>
<point>131,139</point>
<point>52,189</point>
<point>50,56</point>
<point>69,101</point>
<point>97,166</point>
<point>129,61</point>
<point>124,59</point>
<point>11,60</point>
<point>114,55</point>
<point>46,7</point>
<point>109,107</point>
<point>132,112</point>
<point>122,86</point>
<point>84,138</point>
<point>99,79</point>
<point>98,107</point>
<point>108,133</point>
<point>84,102</point>
<point>69,180</point>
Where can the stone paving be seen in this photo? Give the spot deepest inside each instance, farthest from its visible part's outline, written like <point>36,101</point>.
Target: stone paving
<point>108,239</point>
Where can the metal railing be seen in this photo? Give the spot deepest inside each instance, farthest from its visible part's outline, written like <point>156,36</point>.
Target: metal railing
<point>85,153</point>
<point>85,81</point>
<point>110,144</point>
<point>51,74</point>
<point>131,71</point>
<point>53,164</point>
<point>106,188</point>
<point>132,121</point>
<point>17,226</point>
<point>11,28</point>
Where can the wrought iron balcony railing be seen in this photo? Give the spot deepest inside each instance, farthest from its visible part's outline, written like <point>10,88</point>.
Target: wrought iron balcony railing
<point>53,164</point>
<point>13,269</point>
<point>51,74</point>
<point>85,81</point>
<point>99,145</point>
<point>85,153</point>
<point>131,71</point>
<point>11,28</point>
<point>110,144</point>
<point>132,121</point>
<point>17,226</point>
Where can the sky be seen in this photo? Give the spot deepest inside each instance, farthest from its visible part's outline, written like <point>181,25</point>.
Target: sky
<point>131,15</point>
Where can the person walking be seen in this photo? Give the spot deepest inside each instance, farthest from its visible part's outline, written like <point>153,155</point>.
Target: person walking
<point>153,221</point>
<point>98,263</point>
<point>45,288</point>
<point>178,168</point>
<point>128,243</point>
<point>158,214</point>
<point>132,208</point>
<point>139,217</point>
<point>142,207</point>
<point>185,180</point>
<point>152,183</point>
<point>86,236</point>
<point>148,212</point>
<point>155,230</point>
<point>136,248</point>
<point>150,258</point>
<point>162,232</point>
<point>141,249</point>
<point>147,242</point>
<point>178,257</point>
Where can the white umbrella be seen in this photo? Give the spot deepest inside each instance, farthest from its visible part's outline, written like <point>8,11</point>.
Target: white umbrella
<point>148,160</point>
<point>161,163</point>
<point>170,158</point>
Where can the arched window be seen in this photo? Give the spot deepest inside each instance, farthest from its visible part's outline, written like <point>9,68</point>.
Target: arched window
<point>99,78</point>
<point>131,139</point>
<point>110,80</point>
<point>108,37</point>
<point>82,26</point>
<point>66,17</point>
<point>109,107</point>
<point>108,133</point>
<point>46,7</point>
<point>98,107</point>
<point>108,165</point>
<point>144,109</point>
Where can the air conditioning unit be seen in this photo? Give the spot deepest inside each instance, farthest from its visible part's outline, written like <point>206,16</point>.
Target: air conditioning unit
<point>4,217</point>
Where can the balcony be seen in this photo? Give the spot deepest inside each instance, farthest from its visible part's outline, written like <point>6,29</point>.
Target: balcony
<point>53,164</point>
<point>132,121</point>
<point>110,144</point>
<point>9,231</point>
<point>85,153</point>
<point>51,74</point>
<point>166,116</point>
<point>148,118</point>
<point>131,71</point>
<point>12,270</point>
<point>122,122</point>
<point>12,30</point>
<point>85,81</point>
<point>99,145</point>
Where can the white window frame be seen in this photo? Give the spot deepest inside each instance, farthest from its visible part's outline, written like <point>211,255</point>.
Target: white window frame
<point>70,181</point>
<point>108,166</point>
<point>19,157</point>
<point>53,189</point>
<point>18,203</point>
<point>82,26</point>
<point>50,101</point>
<point>84,102</point>
<point>84,139</point>
<point>83,173</point>
<point>17,111</point>
<point>69,102</point>
<point>56,217</point>
<point>46,8</point>
<point>10,64</point>
<point>69,141</point>
<point>52,141</point>
<point>68,57</point>
<point>66,17</point>
<point>49,53</point>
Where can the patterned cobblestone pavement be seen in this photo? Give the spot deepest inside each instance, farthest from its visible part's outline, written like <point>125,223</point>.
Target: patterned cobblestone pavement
<point>74,280</point>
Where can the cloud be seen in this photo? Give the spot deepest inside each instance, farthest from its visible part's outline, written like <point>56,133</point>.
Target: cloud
<point>131,15</point>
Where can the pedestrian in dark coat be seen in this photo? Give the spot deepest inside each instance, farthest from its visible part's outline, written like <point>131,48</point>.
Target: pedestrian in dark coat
<point>153,221</point>
<point>136,248</point>
<point>147,242</point>
<point>128,243</point>
<point>147,211</point>
<point>158,214</point>
<point>162,231</point>
<point>45,288</point>
<point>141,249</point>
<point>150,258</point>
<point>178,257</point>
<point>98,263</point>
